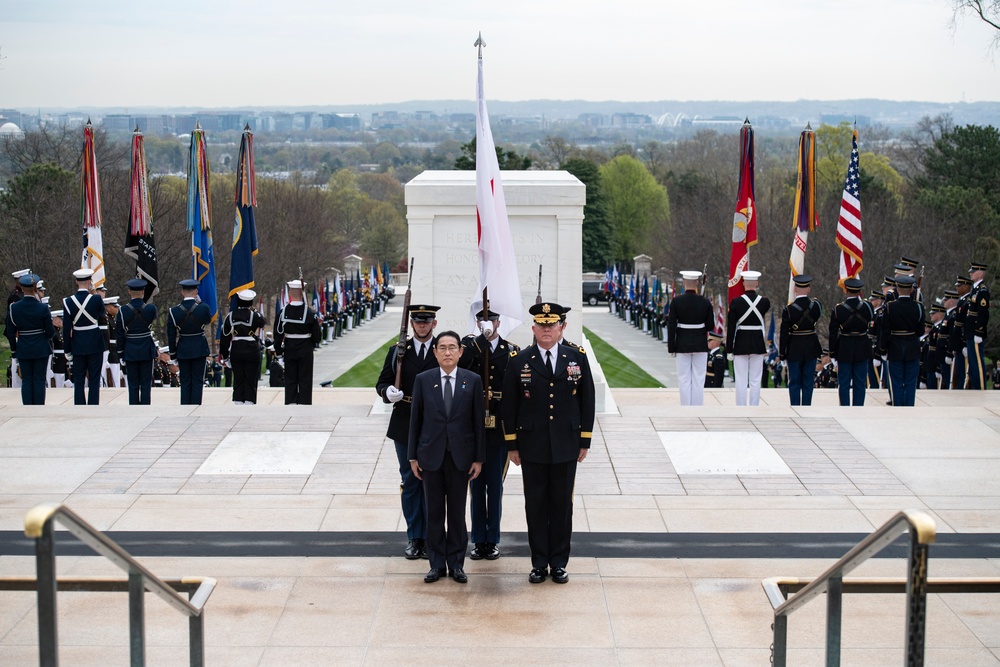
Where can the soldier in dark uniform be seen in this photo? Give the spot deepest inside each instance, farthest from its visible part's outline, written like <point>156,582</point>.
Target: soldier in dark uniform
<point>186,340</point>
<point>29,332</point>
<point>135,342</point>
<point>957,339</point>
<point>691,318</point>
<point>849,343</point>
<point>935,345</point>
<point>239,347</point>
<point>946,355</point>
<point>826,372</point>
<point>418,357</point>
<point>59,365</point>
<point>899,340</point>
<point>925,354</point>
<point>13,380</point>
<point>548,422</point>
<point>799,341</point>
<point>875,367</point>
<point>85,340</point>
<point>112,374</point>
<point>715,373</point>
<point>745,339</point>
<point>977,321</point>
<point>486,491</point>
<point>296,333</point>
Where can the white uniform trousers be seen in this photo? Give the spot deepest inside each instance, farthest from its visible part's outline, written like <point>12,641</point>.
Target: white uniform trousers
<point>691,370</point>
<point>15,379</point>
<point>748,370</point>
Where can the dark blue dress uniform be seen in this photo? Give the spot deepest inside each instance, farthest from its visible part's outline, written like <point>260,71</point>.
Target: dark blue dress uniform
<point>799,343</point>
<point>548,417</point>
<point>487,490</point>
<point>86,341</point>
<point>135,344</point>
<point>977,320</point>
<point>411,490</point>
<point>188,345</point>
<point>715,373</point>
<point>849,343</point>
<point>29,331</point>
<point>957,341</point>
<point>240,346</point>
<point>899,340</point>
<point>296,335</point>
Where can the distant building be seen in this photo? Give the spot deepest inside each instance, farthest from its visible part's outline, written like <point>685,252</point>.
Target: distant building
<point>342,121</point>
<point>630,120</point>
<point>593,119</point>
<point>718,121</point>
<point>153,124</point>
<point>11,116</point>
<point>117,122</point>
<point>462,118</point>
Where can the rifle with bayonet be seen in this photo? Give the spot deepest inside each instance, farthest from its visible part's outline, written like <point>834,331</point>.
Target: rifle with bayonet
<point>704,278</point>
<point>401,343</point>
<point>491,419</point>
<point>538,296</point>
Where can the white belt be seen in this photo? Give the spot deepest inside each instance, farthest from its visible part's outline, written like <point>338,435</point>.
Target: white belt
<point>690,326</point>
<point>33,332</point>
<point>244,338</point>
<point>86,328</point>
<point>759,328</point>
<point>298,335</point>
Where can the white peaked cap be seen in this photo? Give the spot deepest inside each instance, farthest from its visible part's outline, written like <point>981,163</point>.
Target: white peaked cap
<point>750,275</point>
<point>690,275</point>
<point>83,274</point>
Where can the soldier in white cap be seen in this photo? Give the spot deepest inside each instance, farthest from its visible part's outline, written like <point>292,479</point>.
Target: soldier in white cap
<point>746,339</point>
<point>296,334</point>
<point>85,340</point>
<point>688,323</point>
<point>240,346</point>
<point>14,297</point>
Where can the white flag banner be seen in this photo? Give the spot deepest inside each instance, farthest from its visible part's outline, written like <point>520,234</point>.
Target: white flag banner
<point>797,260</point>
<point>497,266</point>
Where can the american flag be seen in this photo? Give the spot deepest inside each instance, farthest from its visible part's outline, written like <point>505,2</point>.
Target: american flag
<point>849,225</point>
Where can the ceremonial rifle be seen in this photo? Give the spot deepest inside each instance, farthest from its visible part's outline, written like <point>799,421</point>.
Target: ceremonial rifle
<point>538,297</point>
<point>401,344</point>
<point>704,278</point>
<point>491,420</point>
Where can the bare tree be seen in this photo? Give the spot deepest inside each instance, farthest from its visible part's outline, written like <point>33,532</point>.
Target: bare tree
<point>988,12</point>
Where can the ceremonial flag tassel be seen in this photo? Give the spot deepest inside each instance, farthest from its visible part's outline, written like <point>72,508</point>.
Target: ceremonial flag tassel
<point>745,218</point>
<point>199,222</point>
<point>140,244</point>
<point>497,264</point>
<point>805,219</point>
<point>849,223</point>
<point>90,209</point>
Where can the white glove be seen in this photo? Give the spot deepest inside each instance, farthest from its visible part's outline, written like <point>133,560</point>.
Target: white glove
<point>965,352</point>
<point>394,395</point>
<point>876,362</point>
<point>834,362</point>
<point>949,360</point>
<point>939,378</point>
<point>729,356</point>
<point>922,385</point>
<point>978,339</point>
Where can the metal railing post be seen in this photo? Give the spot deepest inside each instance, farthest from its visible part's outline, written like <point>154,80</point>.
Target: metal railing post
<point>196,638</point>
<point>834,605</point>
<point>780,647</point>
<point>45,565</point>
<point>916,604</point>
<point>136,619</point>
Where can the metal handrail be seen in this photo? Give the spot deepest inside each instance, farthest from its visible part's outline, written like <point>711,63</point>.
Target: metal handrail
<point>922,532</point>
<point>38,524</point>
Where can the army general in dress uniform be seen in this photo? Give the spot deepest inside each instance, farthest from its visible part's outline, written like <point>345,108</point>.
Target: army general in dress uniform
<point>135,342</point>
<point>800,342</point>
<point>85,340</point>
<point>486,491</point>
<point>30,332</point>
<point>977,320</point>
<point>187,342</point>
<point>548,422</point>
<point>715,372</point>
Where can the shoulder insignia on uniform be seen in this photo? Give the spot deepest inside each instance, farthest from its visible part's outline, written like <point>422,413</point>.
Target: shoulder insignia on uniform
<point>581,350</point>
<point>982,302</point>
<point>513,353</point>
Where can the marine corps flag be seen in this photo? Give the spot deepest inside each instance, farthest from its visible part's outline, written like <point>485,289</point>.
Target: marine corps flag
<point>90,209</point>
<point>745,218</point>
<point>199,222</point>
<point>805,206</point>
<point>139,242</point>
<point>849,223</point>
<point>497,265</point>
<point>244,227</point>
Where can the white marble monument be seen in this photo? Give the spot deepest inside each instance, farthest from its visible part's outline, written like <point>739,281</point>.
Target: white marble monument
<point>545,209</point>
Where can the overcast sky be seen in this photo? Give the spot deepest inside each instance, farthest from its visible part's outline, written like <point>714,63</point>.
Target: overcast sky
<point>234,53</point>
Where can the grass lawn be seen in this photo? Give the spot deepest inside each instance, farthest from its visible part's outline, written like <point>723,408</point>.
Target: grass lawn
<point>365,373</point>
<point>619,370</point>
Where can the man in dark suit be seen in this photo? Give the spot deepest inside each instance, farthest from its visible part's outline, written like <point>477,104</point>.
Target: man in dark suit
<point>187,342</point>
<point>899,340</point>
<point>29,332</point>
<point>85,340</point>
<point>849,343</point>
<point>135,342</point>
<point>690,319</point>
<point>746,339</point>
<point>487,489</point>
<point>548,422</point>
<point>800,342</point>
<point>445,448</point>
<point>417,358</point>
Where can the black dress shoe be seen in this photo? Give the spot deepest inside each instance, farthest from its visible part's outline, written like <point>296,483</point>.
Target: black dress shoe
<point>559,575</point>
<point>537,575</point>
<point>478,552</point>
<point>492,551</point>
<point>433,575</point>
<point>413,549</point>
<point>458,574</point>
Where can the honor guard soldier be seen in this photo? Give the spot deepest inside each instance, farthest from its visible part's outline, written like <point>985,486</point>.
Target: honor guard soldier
<point>59,365</point>
<point>487,490</point>
<point>417,357</point>
<point>849,343</point>
<point>745,341</point>
<point>875,368</point>
<point>239,347</point>
<point>548,422</point>
<point>296,333</point>
<point>799,341</point>
<point>690,319</point>
<point>187,342</point>
<point>14,378</point>
<point>826,372</point>
<point>85,340</point>
<point>715,372</point>
<point>899,340</point>
<point>135,342</point>
<point>29,332</point>
<point>977,321</point>
<point>112,372</point>
<point>935,348</point>
<point>957,341</point>
<point>945,352</point>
